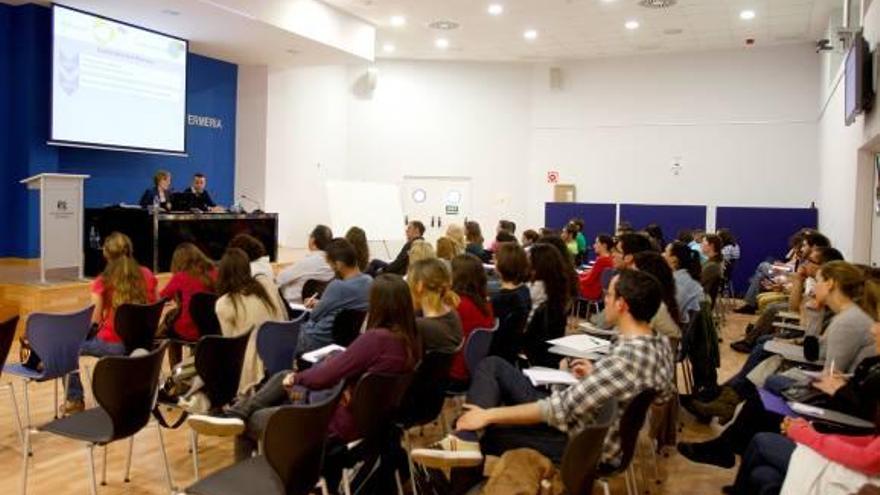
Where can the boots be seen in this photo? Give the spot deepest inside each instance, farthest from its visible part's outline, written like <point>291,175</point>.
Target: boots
<point>724,406</point>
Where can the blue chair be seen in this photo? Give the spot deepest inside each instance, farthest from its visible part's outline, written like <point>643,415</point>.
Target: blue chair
<point>56,338</point>
<point>477,346</point>
<point>276,344</point>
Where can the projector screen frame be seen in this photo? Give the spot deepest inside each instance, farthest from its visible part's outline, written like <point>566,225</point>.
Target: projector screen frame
<point>106,146</point>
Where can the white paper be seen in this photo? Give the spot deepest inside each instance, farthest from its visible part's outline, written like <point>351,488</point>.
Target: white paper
<point>319,354</point>
<point>580,342</point>
<point>549,376</point>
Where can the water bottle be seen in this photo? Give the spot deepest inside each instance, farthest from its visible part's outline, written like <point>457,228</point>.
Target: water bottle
<point>94,238</point>
<point>156,203</point>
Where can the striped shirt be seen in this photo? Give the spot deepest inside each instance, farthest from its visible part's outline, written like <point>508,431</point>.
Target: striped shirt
<point>632,366</point>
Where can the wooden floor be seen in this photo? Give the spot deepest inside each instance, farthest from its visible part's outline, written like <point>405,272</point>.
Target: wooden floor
<point>59,466</point>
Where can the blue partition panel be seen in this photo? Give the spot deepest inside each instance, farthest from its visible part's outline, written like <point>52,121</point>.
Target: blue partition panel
<point>762,233</point>
<point>599,218</point>
<point>671,218</point>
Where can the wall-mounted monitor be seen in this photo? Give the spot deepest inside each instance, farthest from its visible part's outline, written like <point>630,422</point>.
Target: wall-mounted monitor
<point>858,79</point>
<point>115,85</point>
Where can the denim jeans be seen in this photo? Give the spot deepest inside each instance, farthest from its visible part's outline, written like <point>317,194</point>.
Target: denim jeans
<point>91,347</point>
<point>739,381</point>
<point>496,382</point>
<point>761,273</point>
<point>764,465</point>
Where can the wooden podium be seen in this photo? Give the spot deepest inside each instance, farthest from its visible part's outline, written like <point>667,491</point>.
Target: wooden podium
<point>61,220</point>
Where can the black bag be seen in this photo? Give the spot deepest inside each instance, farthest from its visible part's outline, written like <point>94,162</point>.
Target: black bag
<point>29,358</point>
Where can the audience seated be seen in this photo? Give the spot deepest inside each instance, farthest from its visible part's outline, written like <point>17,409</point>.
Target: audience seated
<point>192,272</point>
<point>513,303</point>
<point>419,250</point>
<point>550,295</point>
<point>455,232</point>
<point>446,250</point>
<point>507,227</point>
<point>349,290</point>
<point>475,240</point>
<point>685,263</point>
<point>435,303</point>
<point>712,272</point>
<point>569,237</point>
<point>590,282</point>
<point>580,239</point>
<point>846,343</point>
<point>358,239</point>
<point>655,233</point>
<point>570,272</point>
<point>245,303</point>
<point>122,281</point>
<point>312,267</point>
<point>390,345</point>
<point>729,248</point>
<point>665,322</point>
<point>501,395</point>
<point>256,252</point>
<point>529,237</point>
<point>474,310</point>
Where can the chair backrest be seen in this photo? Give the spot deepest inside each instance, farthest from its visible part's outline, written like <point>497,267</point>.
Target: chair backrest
<point>276,344</point>
<point>313,287</point>
<point>136,324</point>
<point>203,313</point>
<point>376,399</point>
<point>7,335</point>
<point>581,457</point>
<point>426,394</point>
<point>298,463</point>
<point>476,347</point>
<point>547,323</point>
<point>56,338</point>
<point>347,326</point>
<point>125,387</point>
<point>218,361</point>
<point>631,423</point>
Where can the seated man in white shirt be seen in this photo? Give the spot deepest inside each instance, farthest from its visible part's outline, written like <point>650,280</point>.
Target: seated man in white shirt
<point>313,267</point>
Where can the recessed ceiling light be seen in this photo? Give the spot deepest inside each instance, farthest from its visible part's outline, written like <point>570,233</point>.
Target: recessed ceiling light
<point>398,20</point>
<point>608,1</point>
<point>633,24</point>
<point>171,12</point>
<point>388,48</point>
<point>530,34</point>
<point>496,9</point>
<point>441,43</point>
<point>747,15</point>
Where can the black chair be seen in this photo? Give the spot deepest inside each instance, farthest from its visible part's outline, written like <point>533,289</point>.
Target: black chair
<point>218,362</point>
<point>581,458</point>
<point>276,344</point>
<point>507,340</point>
<point>136,324</point>
<point>7,335</point>
<point>374,404</point>
<point>547,323</point>
<point>313,287</point>
<point>631,423</point>
<point>424,399</point>
<point>347,326</point>
<point>125,389</point>
<point>291,459</point>
<point>203,313</point>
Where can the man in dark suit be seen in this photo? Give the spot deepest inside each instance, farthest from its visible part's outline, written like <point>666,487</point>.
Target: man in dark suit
<point>199,194</point>
<point>414,231</point>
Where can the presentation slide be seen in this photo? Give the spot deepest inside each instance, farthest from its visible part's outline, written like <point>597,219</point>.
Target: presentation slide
<point>116,85</point>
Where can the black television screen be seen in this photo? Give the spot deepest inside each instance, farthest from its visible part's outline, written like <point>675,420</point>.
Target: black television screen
<point>858,91</point>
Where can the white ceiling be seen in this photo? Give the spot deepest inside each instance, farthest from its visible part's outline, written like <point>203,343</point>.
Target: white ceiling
<point>220,29</point>
<point>576,29</point>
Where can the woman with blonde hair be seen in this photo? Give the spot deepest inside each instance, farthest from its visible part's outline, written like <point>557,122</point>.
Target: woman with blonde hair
<point>456,233</point>
<point>421,250</point>
<point>439,325</point>
<point>122,281</point>
<point>446,250</point>
<point>159,195</point>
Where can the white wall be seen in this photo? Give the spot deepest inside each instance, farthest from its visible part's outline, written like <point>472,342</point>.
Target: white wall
<point>743,124</point>
<point>250,133</point>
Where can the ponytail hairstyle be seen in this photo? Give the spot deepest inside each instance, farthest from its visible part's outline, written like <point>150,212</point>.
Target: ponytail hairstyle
<point>847,278</point>
<point>122,275</point>
<point>685,259</point>
<point>436,284</point>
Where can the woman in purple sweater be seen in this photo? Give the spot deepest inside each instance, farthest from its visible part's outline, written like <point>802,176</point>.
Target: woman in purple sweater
<point>390,345</point>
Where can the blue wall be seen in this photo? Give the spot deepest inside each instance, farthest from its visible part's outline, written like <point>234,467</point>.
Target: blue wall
<point>25,77</point>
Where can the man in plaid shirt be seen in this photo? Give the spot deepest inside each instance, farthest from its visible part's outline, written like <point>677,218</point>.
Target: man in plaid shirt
<point>501,395</point>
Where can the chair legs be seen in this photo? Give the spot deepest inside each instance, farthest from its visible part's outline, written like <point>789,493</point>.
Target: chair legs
<point>409,461</point>
<point>346,484</point>
<point>165,459</point>
<point>104,468</point>
<point>16,413</point>
<point>27,405</point>
<point>55,397</point>
<point>128,459</point>
<point>194,446</point>
<point>90,452</point>
<point>25,460</point>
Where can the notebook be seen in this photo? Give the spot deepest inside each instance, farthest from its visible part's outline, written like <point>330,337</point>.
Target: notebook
<point>319,354</point>
<point>548,376</point>
<point>581,345</point>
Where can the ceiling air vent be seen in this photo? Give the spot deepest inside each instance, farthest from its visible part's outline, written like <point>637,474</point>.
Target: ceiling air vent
<point>657,4</point>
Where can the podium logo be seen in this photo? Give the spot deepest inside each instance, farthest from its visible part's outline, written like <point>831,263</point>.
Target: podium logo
<point>61,205</point>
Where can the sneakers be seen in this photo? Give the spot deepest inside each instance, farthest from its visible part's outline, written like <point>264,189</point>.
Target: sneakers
<point>741,346</point>
<point>217,426</point>
<point>711,452</point>
<point>72,407</point>
<point>450,452</point>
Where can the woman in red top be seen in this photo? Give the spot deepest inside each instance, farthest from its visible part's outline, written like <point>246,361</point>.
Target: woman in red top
<point>469,282</point>
<point>193,273</point>
<point>591,281</point>
<point>122,281</point>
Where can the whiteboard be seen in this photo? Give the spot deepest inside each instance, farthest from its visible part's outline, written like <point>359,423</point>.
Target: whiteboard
<point>372,206</point>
